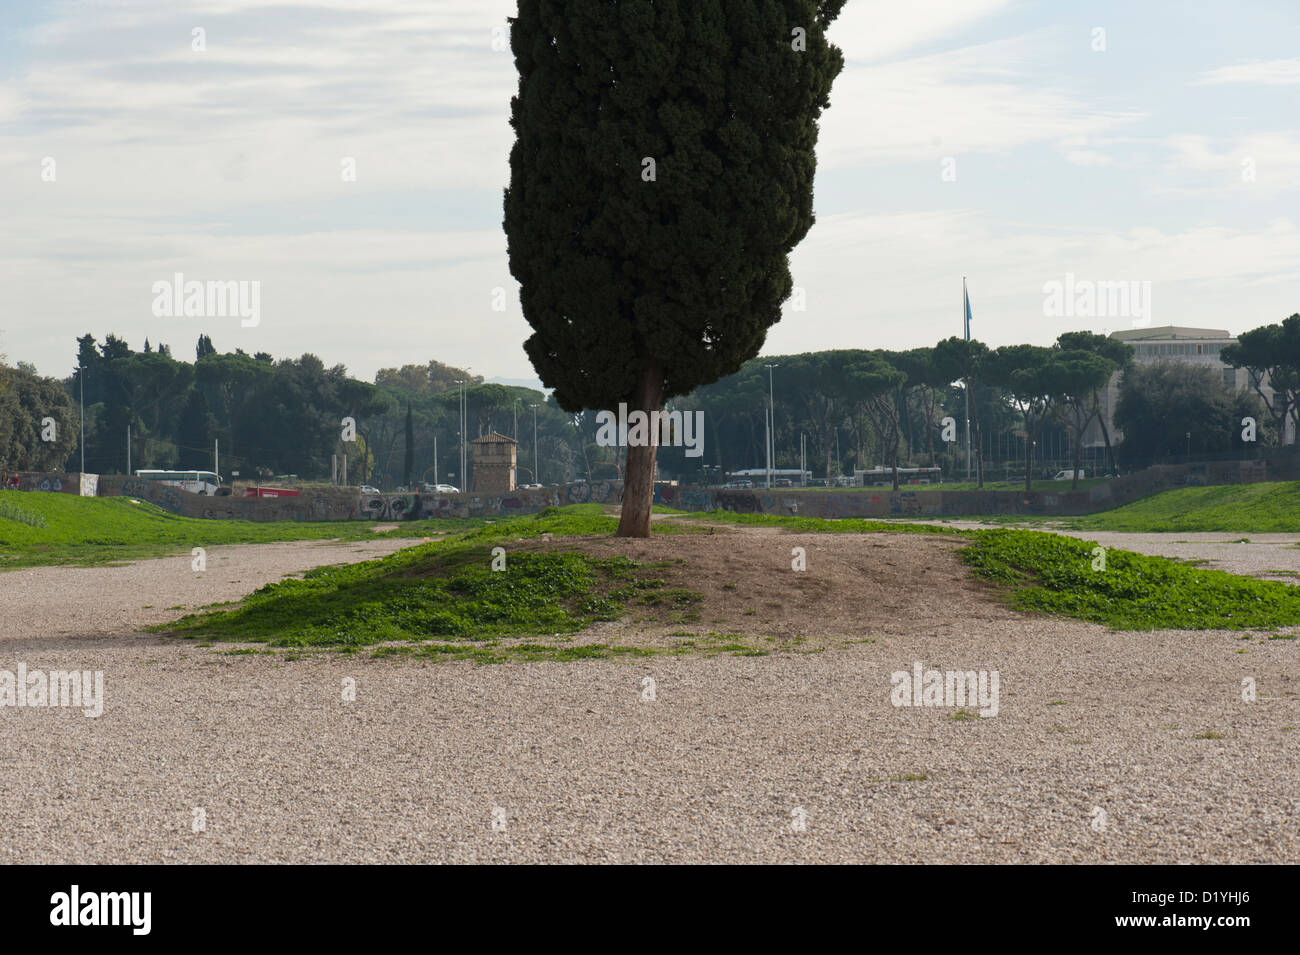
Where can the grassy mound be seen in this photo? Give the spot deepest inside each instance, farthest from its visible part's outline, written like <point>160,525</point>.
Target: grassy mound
<point>1249,508</point>
<point>44,528</point>
<point>444,600</point>
<point>448,591</point>
<point>1051,574</point>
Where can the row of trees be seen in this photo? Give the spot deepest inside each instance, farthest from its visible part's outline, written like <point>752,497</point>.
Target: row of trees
<point>277,417</point>
<point>890,403</point>
<point>887,407</point>
<point>856,408</point>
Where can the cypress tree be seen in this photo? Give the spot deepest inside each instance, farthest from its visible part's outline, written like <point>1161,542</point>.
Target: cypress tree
<point>661,173</point>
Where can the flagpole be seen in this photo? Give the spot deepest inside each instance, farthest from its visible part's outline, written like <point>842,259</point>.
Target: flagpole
<point>965,318</point>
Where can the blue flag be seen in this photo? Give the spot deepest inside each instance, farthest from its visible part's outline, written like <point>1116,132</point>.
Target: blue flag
<point>966,298</point>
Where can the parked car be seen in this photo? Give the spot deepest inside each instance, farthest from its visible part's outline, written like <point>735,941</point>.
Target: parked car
<point>1068,475</point>
<point>439,489</point>
<point>527,487</point>
<point>784,482</point>
<point>367,489</point>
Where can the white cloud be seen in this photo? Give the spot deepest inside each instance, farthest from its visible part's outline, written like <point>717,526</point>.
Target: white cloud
<point>1263,73</point>
<point>977,99</point>
<point>874,30</point>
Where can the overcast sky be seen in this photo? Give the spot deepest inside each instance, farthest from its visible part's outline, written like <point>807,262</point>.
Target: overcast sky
<point>1164,150</point>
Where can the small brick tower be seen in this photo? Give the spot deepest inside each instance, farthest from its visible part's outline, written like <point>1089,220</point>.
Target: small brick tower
<point>494,464</point>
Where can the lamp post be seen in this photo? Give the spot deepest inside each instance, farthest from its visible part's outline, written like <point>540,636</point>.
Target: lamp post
<point>536,469</point>
<point>771,411</point>
<point>81,380</point>
<point>460,423</point>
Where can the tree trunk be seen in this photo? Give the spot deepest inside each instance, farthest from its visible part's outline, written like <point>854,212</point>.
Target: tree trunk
<point>638,482</point>
<point>894,452</point>
<point>1029,453</point>
<point>1078,449</point>
<point>929,422</point>
<point>1105,434</point>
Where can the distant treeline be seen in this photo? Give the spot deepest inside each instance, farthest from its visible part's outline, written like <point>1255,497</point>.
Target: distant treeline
<point>853,408</point>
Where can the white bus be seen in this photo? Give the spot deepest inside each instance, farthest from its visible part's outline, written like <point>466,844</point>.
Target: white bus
<point>879,477</point>
<point>196,482</point>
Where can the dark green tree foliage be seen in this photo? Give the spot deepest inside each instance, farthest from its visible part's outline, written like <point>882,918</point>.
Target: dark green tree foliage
<point>1119,354</point>
<point>1161,404</point>
<point>956,359</point>
<point>1024,373</point>
<point>1077,378</point>
<point>1271,353</point>
<point>26,401</point>
<point>662,171</point>
<point>879,384</point>
<point>194,434</point>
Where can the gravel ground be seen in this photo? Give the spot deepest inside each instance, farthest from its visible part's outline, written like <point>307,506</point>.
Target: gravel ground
<point>1271,556</point>
<point>573,764</point>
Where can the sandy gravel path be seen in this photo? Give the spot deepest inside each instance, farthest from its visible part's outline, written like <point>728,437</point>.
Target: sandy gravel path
<point>1148,728</point>
<point>1272,556</point>
<point>37,603</point>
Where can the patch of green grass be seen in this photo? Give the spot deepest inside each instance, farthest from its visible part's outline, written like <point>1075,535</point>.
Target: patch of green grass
<point>1267,507</point>
<point>39,528</point>
<point>447,591</point>
<point>455,596</point>
<point>1051,574</point>
<point>11,511</point>
<point>963,715</point>
<point>1210,734</point>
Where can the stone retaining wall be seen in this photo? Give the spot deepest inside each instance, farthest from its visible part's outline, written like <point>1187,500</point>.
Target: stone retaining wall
<point>343,504</point>
<point>906,502</point>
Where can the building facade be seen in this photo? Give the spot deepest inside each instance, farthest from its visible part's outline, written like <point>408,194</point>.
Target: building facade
<point>494,464</point>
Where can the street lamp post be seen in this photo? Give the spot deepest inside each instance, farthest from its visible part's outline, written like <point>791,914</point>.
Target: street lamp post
<point>81,380</point>
<point>536,469</point>
<point>771,410</point>
<point>460,424</point>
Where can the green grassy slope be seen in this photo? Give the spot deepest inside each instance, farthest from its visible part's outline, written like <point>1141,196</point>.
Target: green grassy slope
<point>1248,508</point>
<point>40,528</point>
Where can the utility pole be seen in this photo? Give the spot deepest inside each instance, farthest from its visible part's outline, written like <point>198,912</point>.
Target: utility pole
<point>81,379</point>
<point>460,424</point>
<point>537,479</point>
<point>771,404</point>
<point>767,447</point>
<point>965,318</point>
<point>216,456</point>
<point>803,460</point>
<point>435,461</point>
<point>128,450</point>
